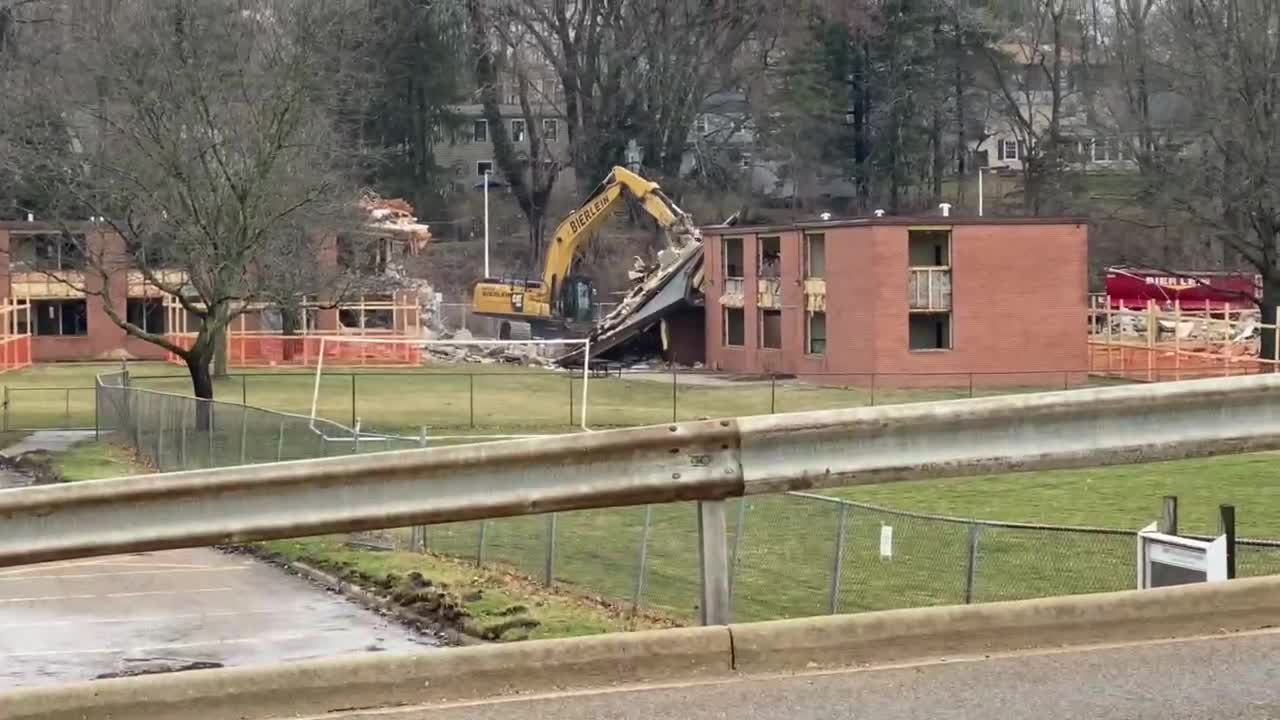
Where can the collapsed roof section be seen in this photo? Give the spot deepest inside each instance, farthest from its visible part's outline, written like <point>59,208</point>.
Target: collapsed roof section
<point>395,217</point>
<point>675,284</point>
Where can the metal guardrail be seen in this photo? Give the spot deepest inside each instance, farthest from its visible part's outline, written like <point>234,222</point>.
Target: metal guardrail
<point>706,461</point>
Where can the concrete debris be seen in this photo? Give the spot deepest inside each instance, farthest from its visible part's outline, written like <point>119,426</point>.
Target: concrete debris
<point>513,354</point>
<point>395,216</point>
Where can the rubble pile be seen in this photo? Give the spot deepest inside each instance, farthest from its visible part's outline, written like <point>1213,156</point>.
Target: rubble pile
<point>526,355</point>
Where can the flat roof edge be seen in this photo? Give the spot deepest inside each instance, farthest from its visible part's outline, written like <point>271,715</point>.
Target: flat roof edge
<point>897,220</point>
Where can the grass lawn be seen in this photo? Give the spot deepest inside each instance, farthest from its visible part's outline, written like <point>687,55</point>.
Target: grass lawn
<point>461,397</point>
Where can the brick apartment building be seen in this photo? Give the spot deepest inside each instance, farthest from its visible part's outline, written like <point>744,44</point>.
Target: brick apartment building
<point>899,297</point>
<point>67,323</point>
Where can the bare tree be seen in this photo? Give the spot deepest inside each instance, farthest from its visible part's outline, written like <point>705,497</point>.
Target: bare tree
<point>1224,57</point>
<point>204,133</point>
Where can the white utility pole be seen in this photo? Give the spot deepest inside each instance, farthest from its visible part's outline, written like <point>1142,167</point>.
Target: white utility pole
<point>486,223</point>
<point>980,191</point>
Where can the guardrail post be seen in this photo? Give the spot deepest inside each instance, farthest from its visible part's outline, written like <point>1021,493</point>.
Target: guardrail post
<point>713,546</point>
<point>644,557</point>
<point>548,572</point>
<point>833,601</point>
<point>739,528</point>
<point>971,566</point>
<point>484,527</point>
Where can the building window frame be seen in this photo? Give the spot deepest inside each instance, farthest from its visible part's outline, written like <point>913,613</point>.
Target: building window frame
<point>812,240</point>
<point>482,166</point>
<point>518,128</point>
<point>764,331</point>
<point>731,247</point>
<point>941,336</point>
<point>550,130</point>
<point>480,131</point>
<point>727,332</point>
<point>147,313</point>
<point>1009,150</point>
<point>60,318</point>
<point>814,345</point>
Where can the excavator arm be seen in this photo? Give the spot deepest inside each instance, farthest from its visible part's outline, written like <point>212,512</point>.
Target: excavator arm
<point>576,229</point>
<point>539,301</point>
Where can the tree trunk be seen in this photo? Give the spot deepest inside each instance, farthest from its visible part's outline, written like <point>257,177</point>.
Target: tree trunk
<point>202,387</point>
<point>220,353</point>
<point>290,322</point>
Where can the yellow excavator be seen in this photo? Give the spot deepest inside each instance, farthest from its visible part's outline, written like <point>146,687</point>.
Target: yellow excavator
<point>563,299</point>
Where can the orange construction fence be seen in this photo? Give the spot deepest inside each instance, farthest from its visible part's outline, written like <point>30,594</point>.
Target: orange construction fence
<point>254,350</point>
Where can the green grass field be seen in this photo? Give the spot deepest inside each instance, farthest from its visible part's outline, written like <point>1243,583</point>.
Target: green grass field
<point>467,397</point>
<point>786,552</point>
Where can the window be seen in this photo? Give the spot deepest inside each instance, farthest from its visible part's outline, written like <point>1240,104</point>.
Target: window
<point>48,251</point>
<point>734,327</point>
<point>550,131</point>
<point>746,160</point>
<point>815,256</point>
<point>517,131</point>
<point>1105,150</point>
<point>484,166</point>
<point>146,313</point>
<point>770,257</point>
<point>929,331</point>
<point>60,317</point>
<point>480,131</point>
<point>733,258</point>
<point>928,248</point>
<point>700,125</point>
<point>1009,149</point>
<point>548,89</point>
<point>771,329</point>
<point>816,334</point>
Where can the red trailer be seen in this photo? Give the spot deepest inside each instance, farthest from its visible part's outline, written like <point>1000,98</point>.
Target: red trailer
<point>1131,288</point>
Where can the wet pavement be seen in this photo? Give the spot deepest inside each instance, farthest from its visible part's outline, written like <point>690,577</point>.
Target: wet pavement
<point>178,609</point>
<point>82,619</point>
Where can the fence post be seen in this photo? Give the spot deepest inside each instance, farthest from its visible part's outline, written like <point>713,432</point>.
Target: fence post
<point>773,393</point>
<point>1169,515</point>
<point>548,572</point>
<point>570,399</point>
<point>160,435</point>
<point>1227,526</point>
<point>244,434</point>
<point>244,389</point>
<point>353,399</point>
<point>484,526</point>
<point>66,422</point>
<point>355,436</point>
<point>971,566</point>
<point>97,421</point>
<point>970,385</point>
<point>837,562</point>
<point>182,439</point>
<point>644,557</point>
<point>873,389</point>
<point>201,407</point>
<point>471,400</point>
<point>137,426</point>
<point>713,552</point>
<point>280,443</point>
<point>6,408</point>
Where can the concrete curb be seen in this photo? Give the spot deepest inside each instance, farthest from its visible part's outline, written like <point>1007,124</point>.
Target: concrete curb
<point>940,632</point>
<point>316,687</point>
<point>366,681</point>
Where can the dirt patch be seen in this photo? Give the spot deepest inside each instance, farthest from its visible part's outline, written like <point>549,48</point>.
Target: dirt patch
<point>415,601</point>
<point>30,468</point>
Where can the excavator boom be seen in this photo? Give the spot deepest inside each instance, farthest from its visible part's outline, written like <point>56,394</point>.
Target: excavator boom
<point>560,296</point>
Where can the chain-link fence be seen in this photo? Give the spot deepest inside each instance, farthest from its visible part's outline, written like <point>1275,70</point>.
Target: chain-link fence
<point>463,398</point>
<point>793,555</point>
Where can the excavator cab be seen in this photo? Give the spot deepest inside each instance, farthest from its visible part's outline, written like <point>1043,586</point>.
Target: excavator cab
<point>575,298</point>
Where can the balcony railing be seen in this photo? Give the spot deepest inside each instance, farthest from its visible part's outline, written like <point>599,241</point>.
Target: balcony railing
<point>929,288</point>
